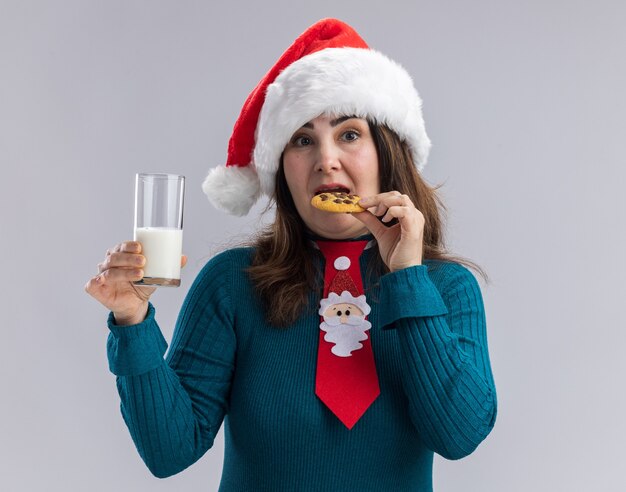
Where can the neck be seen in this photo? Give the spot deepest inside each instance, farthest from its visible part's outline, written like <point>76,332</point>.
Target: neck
<point>315,237</point>
<point>361,243</point>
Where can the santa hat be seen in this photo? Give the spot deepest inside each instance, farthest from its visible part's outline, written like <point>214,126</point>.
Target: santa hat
<point>328,70</point>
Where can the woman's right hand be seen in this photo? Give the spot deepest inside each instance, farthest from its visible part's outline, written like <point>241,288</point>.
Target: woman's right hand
<point>113,287</point>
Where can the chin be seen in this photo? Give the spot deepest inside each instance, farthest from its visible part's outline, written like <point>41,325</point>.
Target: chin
<point>346,227</point>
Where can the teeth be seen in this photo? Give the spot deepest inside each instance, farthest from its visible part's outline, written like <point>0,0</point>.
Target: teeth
<point>328,190</point>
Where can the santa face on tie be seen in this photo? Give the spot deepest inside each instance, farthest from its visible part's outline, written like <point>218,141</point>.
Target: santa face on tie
<point>344,322</point>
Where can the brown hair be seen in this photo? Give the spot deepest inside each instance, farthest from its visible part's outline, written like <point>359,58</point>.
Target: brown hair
<point>283,269</point>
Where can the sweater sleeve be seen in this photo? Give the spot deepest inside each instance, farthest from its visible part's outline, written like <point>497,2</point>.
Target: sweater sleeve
<point>446,371</point>
<point>174,407</point>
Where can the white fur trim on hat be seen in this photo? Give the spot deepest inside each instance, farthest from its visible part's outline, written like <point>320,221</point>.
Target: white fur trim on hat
<point>338,81</point>
<point>232,189</point>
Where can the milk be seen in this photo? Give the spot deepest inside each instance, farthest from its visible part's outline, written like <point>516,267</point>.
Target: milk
<point>162,247</point>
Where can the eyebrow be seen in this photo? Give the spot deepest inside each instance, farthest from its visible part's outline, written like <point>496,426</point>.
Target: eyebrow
<point>333,123</point>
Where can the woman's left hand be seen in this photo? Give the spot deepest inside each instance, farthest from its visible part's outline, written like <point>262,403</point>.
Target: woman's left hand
<point>401,244</point>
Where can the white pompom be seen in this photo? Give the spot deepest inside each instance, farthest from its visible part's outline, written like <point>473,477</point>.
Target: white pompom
<point>342,263</point>
<point>233,189</point>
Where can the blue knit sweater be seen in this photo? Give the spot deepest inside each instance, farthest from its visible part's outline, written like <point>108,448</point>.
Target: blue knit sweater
<point>227,365</point>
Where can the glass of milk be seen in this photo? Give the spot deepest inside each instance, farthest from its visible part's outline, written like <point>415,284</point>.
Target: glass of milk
<point>159,226</point>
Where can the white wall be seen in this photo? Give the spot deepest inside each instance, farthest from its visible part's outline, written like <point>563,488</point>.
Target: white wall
<point>525,104</point>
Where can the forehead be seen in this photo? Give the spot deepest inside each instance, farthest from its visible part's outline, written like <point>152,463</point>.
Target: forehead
<point>342,304</point>
<point>332,119</point>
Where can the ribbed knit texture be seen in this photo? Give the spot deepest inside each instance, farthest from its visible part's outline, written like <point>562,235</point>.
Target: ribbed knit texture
<point>227,365</point>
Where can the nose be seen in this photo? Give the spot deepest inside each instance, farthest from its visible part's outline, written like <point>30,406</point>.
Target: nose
<point>328,158</point>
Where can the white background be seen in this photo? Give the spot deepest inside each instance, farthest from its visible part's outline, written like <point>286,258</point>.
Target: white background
<point>524,102</point>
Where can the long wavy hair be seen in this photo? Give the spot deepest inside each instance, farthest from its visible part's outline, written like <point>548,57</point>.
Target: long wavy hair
<point>283,266</point>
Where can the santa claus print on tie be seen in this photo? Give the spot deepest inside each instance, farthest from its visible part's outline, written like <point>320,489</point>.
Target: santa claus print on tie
<point>344,322</point>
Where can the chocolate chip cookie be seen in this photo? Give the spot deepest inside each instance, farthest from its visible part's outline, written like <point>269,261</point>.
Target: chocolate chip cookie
<point>337,201</point>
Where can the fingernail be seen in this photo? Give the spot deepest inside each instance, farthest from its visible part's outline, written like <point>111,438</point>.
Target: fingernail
<point>364,201</point>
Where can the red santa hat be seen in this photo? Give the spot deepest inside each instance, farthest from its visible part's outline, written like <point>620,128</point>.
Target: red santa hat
<point>342,289</point>
<point>329,69</point>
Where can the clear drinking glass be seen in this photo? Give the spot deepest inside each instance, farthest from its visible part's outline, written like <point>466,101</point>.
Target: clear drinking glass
<point>159,226</point>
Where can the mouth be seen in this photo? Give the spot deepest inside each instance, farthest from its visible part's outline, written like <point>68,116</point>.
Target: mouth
<point>332,187</point>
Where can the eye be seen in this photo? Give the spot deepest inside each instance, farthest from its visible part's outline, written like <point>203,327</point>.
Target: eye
<point>350,135</point>
<point>347,312</point>
<point>301,140</point>
<point>338,313</point>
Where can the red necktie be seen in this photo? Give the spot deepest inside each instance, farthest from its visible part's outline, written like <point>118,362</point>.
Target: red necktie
<point>346,379</point>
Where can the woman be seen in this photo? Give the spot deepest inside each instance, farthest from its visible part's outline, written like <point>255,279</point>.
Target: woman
<point>341,350</point>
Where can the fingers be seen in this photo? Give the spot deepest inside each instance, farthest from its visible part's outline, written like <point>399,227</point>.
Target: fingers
<point>122,260</point>
<point>123,255</point>
<point>112,276</point>
<point>90,287</point>
<point>125,247</point>
<point>116,275</point>
<point>393,205</point>
<point>379,204</point>
<point>122,263</point>
<point>371,222</point>
<point>109,278</point>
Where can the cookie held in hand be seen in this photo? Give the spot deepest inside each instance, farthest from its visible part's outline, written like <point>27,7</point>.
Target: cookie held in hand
<point>337,201</point>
